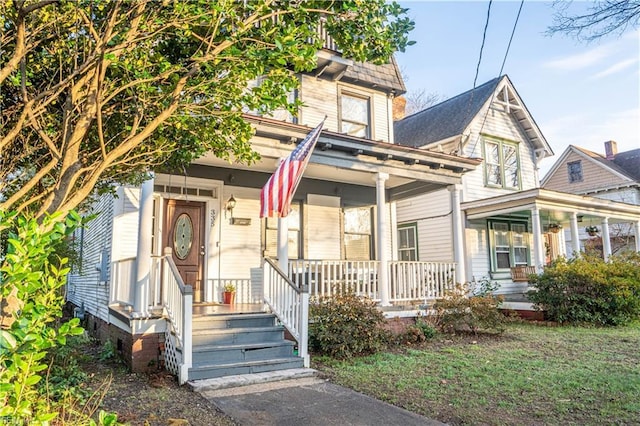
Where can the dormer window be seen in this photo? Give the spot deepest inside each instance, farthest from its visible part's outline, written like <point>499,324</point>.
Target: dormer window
<point>575,171</point>
<point>502,165</point>
<point>355,115</point>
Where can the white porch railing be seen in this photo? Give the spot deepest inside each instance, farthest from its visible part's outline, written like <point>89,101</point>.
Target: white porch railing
<point>245,293</point>
<point>122,279</point>
<point>177,299</point>
<point>407,280</point>
<point>325,278</point>
<point>290,303</point>
<point>420,280</point>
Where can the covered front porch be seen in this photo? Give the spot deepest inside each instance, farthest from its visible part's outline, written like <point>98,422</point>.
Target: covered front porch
<point>200,230</point>
<point>514,235</point>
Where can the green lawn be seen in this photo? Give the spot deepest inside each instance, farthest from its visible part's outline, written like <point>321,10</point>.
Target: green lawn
<point>530,375</point>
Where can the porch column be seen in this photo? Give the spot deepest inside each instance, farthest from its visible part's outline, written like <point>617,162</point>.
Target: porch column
<point>606,239</point>
<point>638,235</point>
<point>458,234</point>
<point>283,244</point>
<point>538,250</point>
<point>575,235</point>
<point>382,239</point>
<point>143,253</point>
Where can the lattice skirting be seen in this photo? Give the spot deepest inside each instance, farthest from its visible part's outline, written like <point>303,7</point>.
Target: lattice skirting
<point>172,356</point>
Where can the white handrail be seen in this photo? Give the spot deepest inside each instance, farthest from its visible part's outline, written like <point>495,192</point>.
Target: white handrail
<point>327,277</point>
<point>411,280</point>
<point>289,303</point>
<point>177,299</point>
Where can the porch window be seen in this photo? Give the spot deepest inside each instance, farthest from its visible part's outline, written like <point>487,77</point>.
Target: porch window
<point>355,115</point>
<point>509,244</point>
<point>408,242</point>
<point>575,171</point>
<point>357,233</point>
<point>502,165</point>
<point>271,234</point>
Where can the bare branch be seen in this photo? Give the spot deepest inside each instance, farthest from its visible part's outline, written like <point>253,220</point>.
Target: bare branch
<point>604,18</point>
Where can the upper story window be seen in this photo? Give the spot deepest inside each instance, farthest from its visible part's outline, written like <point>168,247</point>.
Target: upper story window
<point>502,165</point>
<point>355,115</point>
<point>575,171</point>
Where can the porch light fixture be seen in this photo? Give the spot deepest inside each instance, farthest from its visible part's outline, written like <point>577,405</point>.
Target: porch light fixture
<point>231,204</point>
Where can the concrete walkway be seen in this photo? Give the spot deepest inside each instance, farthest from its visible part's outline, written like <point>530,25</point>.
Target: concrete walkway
<point>300,399</point>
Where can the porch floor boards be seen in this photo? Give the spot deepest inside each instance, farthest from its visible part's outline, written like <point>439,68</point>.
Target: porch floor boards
<point>220,309</point>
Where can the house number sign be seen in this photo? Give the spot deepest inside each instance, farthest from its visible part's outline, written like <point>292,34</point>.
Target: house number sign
<point>182,236</point>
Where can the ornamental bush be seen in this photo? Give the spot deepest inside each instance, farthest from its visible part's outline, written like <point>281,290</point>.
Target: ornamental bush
<point>460,311</point>
<point>346,325</point>
<point>590,290</point>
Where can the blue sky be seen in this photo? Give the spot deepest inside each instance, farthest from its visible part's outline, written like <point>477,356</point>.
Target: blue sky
<point>580,94</point>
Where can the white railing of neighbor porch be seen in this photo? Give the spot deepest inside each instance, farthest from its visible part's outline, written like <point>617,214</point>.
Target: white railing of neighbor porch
<point>420,280</point>
<point>328,277</point>
<point>290,303</point>
<point>122,278</point>
<point>244,291</point>
<point>177,299</point>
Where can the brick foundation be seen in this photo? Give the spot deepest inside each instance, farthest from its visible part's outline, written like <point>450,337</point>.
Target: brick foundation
<point>140,352</point>
<point>398,325</point>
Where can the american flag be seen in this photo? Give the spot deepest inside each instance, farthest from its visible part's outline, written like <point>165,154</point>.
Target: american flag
<point>276,194</point>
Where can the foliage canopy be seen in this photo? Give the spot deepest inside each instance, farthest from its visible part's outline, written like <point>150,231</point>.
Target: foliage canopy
<point>97,92</point>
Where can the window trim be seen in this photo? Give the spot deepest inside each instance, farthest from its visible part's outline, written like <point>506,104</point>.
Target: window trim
<point>569,174</point>
<point>416,251</point>
<point>370,234</point>
<point>501,142</point>
<point>358,95</point>
<point>298,229</point>
<point>491,240</point>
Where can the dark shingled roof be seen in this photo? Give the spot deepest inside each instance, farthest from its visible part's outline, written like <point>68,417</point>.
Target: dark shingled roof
<point>445,119</point>
<point>626,163</point>
<point>380,76</point>
<point>629,161</point>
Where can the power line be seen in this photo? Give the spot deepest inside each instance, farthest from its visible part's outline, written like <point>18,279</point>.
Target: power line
<point>484,37</point>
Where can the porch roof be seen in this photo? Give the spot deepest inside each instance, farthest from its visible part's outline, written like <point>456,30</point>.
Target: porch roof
<point>352,160</point>
<point>560,206</point>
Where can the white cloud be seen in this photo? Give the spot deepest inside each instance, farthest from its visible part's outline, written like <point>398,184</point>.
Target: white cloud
<point>615,68</point>
<point>583,59</point>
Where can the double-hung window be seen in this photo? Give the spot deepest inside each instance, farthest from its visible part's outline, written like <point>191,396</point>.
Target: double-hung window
<point>408,242</point>
<point>575,171</point>
<point>355,115</point>
<point>357,233</point>
<point>509,244</point>
<point>502,165</point>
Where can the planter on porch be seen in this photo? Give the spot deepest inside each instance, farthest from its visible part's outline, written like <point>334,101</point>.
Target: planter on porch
<point>228,294</point>
<point>592,230</point>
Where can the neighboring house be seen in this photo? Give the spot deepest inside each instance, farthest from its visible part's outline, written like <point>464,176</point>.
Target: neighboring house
<point>613,176</point>
<point>202,228</point>
<point>498,223</point>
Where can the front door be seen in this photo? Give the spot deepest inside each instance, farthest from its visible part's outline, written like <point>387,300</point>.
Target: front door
<point>185,235</point>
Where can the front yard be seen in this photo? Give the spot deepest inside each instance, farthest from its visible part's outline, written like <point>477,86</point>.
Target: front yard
<point>529,375</point>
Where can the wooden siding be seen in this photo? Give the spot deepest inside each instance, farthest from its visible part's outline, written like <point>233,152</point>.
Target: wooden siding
<point>432,212</point>
<point>125,223</point>
<point>594,176</point>
<point>240,245</point>
<point>84,285</point>
<point>626,195</point>
<point>320,98</point>
<point>478,249</point>
<point>504,126</point>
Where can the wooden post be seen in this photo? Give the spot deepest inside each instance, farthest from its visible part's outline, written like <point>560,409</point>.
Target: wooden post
<point>187,312</point>
<point>303,344</point>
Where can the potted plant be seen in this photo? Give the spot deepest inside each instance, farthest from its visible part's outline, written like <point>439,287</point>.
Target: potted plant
<point>592,230</point>
<point>555,227</point>
<point>228,294</point>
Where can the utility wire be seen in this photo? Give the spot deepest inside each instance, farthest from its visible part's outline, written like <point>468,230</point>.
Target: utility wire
<point>484,37</point>
<point>504,60</point>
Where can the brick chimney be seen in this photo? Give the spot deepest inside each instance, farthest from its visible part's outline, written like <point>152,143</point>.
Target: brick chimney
<point>610,149</point>
<point>399,105</point>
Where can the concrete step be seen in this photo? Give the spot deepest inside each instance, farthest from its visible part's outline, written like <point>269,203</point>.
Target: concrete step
<point>232,336</point>
<point>227,382</point>
<point>203,371</point>
<point>223,354</point>
<point>208,322</point>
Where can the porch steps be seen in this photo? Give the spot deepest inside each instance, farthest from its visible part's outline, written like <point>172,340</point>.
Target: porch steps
<point>239,343</point>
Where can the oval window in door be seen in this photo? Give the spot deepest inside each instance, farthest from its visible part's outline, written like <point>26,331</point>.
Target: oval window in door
<point>182,236</point>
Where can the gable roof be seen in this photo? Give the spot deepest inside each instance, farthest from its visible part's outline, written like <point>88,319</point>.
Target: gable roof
<point>372,75</point>
<point>627,166</point>
<point>444,120</point>
<point>452,117</point>
<point>629,161</point>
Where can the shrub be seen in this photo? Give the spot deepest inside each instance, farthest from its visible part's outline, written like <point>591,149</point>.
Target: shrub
<point>460,311</point>
<point>346,325</point>
<point>589,290</point>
